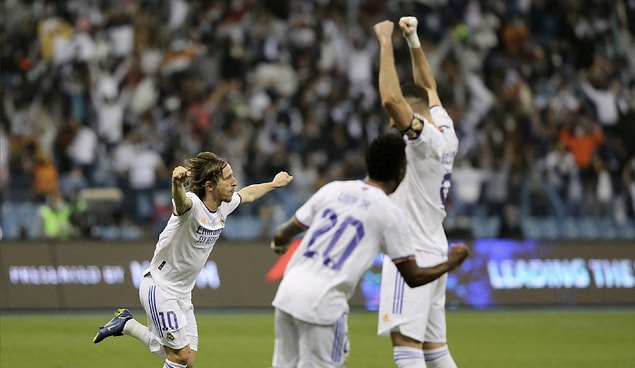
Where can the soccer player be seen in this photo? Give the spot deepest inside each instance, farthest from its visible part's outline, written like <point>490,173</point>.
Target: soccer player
<point>346,224</point>
<point>200,210</point>
<point>415,317</point>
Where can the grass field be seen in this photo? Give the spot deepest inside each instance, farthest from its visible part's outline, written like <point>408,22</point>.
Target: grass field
<point>479,339</point>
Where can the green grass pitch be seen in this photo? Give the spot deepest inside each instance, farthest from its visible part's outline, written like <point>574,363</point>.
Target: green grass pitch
<point>479,339</point>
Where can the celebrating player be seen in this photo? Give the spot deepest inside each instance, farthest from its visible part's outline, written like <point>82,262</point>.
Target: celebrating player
<point>415,317</point>
<point>347,223</point>
<point>198,217</point>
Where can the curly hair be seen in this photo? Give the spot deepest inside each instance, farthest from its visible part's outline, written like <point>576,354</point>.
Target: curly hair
<point>204,167</point>
<point>385,157</point>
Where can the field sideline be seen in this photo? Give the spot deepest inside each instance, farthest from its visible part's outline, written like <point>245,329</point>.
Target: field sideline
<point>479,339</point>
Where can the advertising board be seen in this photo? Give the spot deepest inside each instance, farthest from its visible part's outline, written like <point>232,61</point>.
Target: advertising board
<point>52,275</point>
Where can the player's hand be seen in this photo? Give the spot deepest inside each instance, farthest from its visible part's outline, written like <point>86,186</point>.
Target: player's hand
<point>457,254</point>
<point>383,30</point>
<point>282,179</point>
<point>408,26</point>
<point>279,249</point>
<point>179,174</point>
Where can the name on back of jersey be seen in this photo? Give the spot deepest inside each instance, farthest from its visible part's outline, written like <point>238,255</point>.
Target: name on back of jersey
<point>448,158</point>
<point>352,200</point>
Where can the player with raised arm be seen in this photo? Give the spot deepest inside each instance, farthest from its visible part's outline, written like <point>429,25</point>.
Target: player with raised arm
<point>346,224</point>
<point>415,317</point>
<point>198,217</point>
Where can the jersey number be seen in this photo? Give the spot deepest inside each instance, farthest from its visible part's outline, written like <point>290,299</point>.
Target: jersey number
<point>445,187</point>
<point>335,229</point>
<point>168,321</point>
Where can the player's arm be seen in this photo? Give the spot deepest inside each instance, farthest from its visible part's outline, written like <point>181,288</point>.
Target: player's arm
<point>254,192</point>
<point>417,276</point>
<point>182,203</point>
<point>284,233</point>
<point>392,98</point>
<point>422,72</point>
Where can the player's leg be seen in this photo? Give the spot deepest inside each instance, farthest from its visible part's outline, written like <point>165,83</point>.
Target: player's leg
<point>186,355</point>
<point>324,346</point>
<point>145,334</point>
<point>114,327</point>
<point>403,313</point>
<point>285,347</point>
<point>171,321</point>
<point>435,348</point>
<point>406,351</point>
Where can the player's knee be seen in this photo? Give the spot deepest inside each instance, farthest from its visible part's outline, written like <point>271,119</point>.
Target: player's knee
<point>434,345</point>
<point>401,340</point>
<point>184,356</point>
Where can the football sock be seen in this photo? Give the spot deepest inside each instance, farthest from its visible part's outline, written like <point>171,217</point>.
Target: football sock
<point>169,364</point>
<point>439,358</point>
<point>407,357</point>
<point>141,333</point>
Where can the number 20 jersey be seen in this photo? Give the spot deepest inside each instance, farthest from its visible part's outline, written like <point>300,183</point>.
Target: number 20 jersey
<point>348,223</point>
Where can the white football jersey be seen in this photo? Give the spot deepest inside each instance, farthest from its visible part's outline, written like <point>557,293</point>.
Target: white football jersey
<point>423,191</point>
<point>348,223</point>
<point>186,243</point>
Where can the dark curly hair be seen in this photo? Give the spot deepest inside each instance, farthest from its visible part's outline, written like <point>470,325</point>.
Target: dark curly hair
<point>204,167</point>
<point>386,157</point>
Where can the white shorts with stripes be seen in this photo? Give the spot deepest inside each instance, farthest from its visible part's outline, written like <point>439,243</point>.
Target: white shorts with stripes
<point>418,313</point>
<point>302,345</point>
<point>170,319</point>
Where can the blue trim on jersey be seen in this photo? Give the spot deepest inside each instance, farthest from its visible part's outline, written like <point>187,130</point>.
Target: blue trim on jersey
<point>404,258</point>
<point>300,223</point>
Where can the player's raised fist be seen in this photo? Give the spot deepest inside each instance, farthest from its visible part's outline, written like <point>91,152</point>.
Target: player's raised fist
<point>179,174</point>
<point>383,30</point>
<point>282,179</point>
<point>408,25</point>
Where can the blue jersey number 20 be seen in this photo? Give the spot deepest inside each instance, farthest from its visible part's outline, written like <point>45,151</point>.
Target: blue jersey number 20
<point>334,229</point>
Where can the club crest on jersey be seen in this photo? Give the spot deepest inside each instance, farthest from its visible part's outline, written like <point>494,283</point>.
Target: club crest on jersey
<point>169,337</point>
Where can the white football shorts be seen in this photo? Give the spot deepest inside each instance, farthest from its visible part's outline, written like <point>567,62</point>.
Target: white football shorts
<point>170,319</point>
<point>418,313</point>
<point>303,345</point>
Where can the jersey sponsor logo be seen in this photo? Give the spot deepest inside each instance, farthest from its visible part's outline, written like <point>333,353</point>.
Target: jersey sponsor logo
<point>207,236</point>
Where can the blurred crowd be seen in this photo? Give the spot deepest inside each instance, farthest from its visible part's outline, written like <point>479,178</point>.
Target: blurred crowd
<point>115,93</point>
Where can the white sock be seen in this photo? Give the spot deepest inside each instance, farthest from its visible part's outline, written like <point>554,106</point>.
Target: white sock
<point>169,364</point>
<point>141,333</point>
<point>439,358</point>
<point>407,357</point>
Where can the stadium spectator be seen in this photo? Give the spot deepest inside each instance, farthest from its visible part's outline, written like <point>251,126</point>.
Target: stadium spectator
<point>45,176</point>
<point>55,216</point>
<point>55,55</point>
